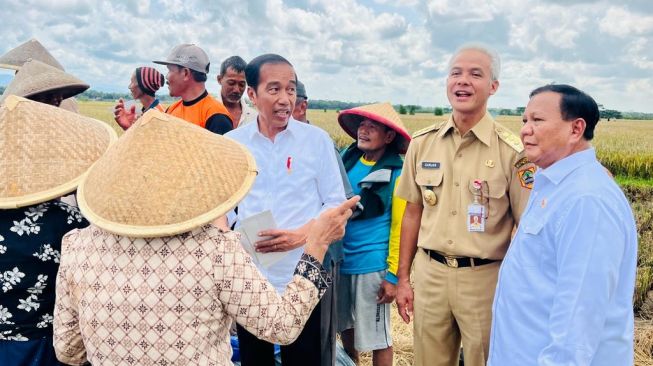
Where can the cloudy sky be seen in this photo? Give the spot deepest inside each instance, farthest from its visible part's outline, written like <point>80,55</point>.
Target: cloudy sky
<point>365,50</point>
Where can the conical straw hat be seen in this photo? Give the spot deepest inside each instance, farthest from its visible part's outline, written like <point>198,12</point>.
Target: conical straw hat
<point>36,77</point>
<point>382,113</point>
<point>163,177</point>
<point>32,49</point>
<point>44,150</point>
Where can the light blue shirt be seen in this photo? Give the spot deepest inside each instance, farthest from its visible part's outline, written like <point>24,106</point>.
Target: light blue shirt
<point>566,285</point>
<point>298,178</point>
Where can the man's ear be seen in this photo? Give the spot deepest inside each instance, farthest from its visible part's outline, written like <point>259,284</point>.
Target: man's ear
<point>578,127</point>
<point>219,79</point>
<point>494,86</point>
<point>390,136</point>
<point>251,94</point>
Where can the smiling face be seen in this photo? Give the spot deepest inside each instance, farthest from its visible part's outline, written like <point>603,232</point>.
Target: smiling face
<point>470,84</point>
<point>275,95</point>
<point>547,137</point>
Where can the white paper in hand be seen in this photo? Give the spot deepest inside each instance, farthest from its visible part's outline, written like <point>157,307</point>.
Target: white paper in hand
<point>249,229</point>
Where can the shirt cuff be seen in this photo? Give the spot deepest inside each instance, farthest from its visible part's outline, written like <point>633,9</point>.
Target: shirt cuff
<point>391,278</point>
<point>311,269</point>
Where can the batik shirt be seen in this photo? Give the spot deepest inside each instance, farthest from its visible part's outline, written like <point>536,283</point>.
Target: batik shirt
<point>171,300</point>
<point>30,250</point>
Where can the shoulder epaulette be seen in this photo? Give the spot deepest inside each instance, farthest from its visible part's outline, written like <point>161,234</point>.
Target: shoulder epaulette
<point>428,129</point>
<point>509,138</point>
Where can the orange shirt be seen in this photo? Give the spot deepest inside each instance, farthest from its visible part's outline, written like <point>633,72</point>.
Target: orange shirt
<point>198,111</point>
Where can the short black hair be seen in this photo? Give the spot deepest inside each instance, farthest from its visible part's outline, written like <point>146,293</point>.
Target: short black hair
<point>200,77</point>
<point>574,103</point>
<point>235,62</point>
<point>253,69</point>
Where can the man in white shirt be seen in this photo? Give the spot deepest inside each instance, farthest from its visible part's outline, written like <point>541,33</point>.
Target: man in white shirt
<point>565,289</point>
<point>298,177</point>
<point>232,87</point>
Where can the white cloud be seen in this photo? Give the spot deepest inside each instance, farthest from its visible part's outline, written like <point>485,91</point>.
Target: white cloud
<point>356,50</point>
<point>620,22</point>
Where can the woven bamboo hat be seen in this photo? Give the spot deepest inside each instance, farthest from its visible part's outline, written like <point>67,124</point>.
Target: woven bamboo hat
<point>36,77</point>
<point>163,177</point>
<point>382,113</point>
<point>44,150</point>
<point>32,49</point>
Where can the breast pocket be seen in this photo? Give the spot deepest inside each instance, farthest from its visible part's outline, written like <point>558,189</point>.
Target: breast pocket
<point>492,195</point>
<point>530,245</point>
<point>430,183</point>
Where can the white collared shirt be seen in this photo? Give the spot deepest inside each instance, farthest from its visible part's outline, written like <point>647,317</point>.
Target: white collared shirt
<point>248,114</point>
<point>298,177</point>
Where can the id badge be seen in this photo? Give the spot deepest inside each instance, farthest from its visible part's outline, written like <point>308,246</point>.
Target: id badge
<point>475,218</point>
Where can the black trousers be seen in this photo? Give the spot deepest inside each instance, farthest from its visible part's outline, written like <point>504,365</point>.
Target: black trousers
<point>305,350</point>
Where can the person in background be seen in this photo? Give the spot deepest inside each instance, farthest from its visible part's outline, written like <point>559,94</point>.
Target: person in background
<point>144,83</point>
<point>33,220</point>
<point>34,50</point>
<point>301,104</point>
<point>232,87</point>
<point>371,243</point>
<point>188,66</point>
<point>43,83</point>
<point>565,291</point>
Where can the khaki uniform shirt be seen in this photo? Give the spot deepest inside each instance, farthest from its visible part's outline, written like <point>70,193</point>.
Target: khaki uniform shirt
<point>441,160</point>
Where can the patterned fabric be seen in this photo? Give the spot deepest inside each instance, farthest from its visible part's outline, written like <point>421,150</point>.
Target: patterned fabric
<point>30,249</point>
<point>164,301</point>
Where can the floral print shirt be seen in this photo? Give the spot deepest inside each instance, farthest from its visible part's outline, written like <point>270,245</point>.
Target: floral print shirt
<point>171,300</point>
<point>30,251</point>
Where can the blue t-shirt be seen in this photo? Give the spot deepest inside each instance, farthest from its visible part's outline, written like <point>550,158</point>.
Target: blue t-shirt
<point>366,241</point>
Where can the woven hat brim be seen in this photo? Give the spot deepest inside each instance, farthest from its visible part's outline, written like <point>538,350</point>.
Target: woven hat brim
<point>146,187</point>
<point>351,118</point>
<point>135,231</point>
<point>9,67</point>
<point>67,91</point>
<point>30,50</point>
<point>60,189</point>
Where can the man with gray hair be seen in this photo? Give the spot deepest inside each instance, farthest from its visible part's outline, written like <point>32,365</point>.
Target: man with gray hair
<point>466,182</point>
<point>232,87</point>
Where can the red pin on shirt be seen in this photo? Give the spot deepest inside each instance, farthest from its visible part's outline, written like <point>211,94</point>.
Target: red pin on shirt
<point>289,164</point>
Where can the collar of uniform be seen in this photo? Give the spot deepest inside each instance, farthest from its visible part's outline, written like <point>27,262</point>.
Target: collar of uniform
<point>563,167</point>
<point>482,130</point>
<point>291,127</point>
<point>450,125</point>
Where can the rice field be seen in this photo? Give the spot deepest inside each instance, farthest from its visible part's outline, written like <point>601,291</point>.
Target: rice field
<point>625,147</point>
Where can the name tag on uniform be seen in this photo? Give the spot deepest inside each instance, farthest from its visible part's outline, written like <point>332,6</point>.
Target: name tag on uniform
<point>431,165</point>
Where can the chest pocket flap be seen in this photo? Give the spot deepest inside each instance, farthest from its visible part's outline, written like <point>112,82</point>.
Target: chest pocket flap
<point>429,177</point>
